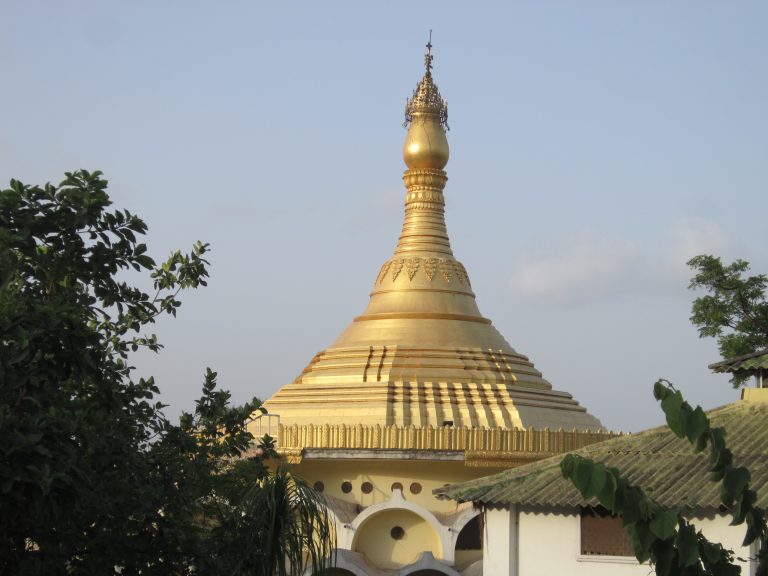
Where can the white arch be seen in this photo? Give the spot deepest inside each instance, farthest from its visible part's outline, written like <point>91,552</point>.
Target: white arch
<point>462,520</point>
<point>344,531</point>
<point>397,502</point>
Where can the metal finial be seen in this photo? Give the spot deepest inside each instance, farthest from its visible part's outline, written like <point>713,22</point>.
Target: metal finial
<point>428,56</point>
<point>426,99</point>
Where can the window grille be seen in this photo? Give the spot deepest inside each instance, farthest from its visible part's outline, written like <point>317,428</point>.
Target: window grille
<point>603,534</point>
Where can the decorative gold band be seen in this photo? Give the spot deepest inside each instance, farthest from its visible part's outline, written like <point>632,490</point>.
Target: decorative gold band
<point>448,268</point>
<point>441,290</point>
<point>421,316</point>
<point>422,178</point>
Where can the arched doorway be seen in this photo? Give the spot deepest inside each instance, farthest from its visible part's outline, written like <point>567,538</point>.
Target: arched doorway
<point>469,544</point>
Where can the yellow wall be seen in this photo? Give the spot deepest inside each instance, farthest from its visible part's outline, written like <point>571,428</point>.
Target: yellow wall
<point>382,474</point>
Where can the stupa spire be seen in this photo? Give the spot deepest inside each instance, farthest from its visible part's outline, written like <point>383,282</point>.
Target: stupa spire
<point>423,280</point>
<point>421,353</point>
<point>425,153</point>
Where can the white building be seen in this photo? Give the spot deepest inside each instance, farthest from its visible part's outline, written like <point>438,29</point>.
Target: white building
<point>537,523</point>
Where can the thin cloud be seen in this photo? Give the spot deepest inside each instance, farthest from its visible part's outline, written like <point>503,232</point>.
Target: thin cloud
<point>587,266</point>
<point>580,268</point>
<point>692,236</point>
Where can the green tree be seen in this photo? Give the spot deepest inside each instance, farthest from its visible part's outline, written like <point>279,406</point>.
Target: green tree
<point>94,479</point>
<point>735,310</point>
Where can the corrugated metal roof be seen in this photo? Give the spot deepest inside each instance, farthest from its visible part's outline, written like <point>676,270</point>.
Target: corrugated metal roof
<point>746,363</point>
<point>664,465</point>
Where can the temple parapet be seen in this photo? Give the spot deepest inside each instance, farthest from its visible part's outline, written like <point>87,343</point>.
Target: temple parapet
<point>497,447</point>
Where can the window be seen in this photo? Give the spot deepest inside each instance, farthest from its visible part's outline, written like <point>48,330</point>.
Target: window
<point>603,534</point>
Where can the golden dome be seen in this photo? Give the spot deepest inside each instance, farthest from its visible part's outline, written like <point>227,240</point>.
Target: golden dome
<point>421,353</point>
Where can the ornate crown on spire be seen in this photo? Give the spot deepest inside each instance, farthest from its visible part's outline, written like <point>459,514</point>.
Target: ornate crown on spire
<point>426,97</point>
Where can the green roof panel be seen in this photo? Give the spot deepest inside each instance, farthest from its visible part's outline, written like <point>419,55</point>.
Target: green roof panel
<point>656,460</point>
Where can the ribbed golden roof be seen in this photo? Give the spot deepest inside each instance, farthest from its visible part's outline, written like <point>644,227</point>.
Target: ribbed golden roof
<point>421,353</point>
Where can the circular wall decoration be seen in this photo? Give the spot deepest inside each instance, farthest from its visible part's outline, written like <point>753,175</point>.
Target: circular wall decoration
<point>319,486</point>
<point>415,488</point>
<point>346,487</point>
<point>396,486</point>
<point>367,487</point>
<point>397,533</point>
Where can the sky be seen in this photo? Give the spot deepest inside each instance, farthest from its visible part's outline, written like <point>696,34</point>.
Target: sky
<point>595,148</point>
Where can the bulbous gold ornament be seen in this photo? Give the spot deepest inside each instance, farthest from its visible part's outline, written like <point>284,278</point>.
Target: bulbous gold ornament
<point>426,145</point>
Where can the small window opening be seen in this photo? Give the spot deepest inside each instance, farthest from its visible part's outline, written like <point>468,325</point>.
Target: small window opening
<point>603,534</point>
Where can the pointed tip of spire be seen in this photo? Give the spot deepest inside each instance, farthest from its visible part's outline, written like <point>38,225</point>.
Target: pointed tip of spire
<point>428,56</point>
<point>426,99</point>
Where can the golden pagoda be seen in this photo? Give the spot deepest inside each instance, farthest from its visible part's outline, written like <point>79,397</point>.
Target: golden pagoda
<point>418,391</point>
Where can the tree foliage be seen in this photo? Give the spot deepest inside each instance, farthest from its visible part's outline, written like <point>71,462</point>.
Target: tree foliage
<point>735,310</point>
<point>664,536</point>
<point>94,479</point>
